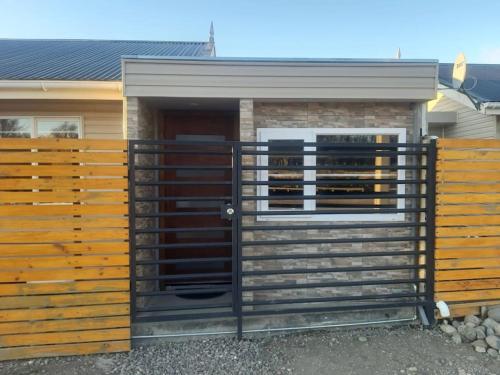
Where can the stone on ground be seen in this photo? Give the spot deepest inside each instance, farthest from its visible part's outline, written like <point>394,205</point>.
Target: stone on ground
<point>490,323</point>
<point>493,341</point>
<point>494,313</point>
<point>480,346</point>
<point>449,330</point>
<point>472,319</point>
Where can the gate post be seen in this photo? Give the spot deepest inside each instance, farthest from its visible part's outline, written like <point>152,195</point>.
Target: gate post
<point>430,235</point>
<point>237,238</point>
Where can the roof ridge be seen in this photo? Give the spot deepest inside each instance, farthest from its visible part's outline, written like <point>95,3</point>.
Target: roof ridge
<point>103,40</point>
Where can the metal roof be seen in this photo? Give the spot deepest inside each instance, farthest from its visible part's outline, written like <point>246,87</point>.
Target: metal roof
<point>87,60</point>
<point>482,82</point>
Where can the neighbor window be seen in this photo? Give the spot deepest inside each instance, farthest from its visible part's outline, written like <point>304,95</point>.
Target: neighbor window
<point>40,127</point>
<point>336,175</point>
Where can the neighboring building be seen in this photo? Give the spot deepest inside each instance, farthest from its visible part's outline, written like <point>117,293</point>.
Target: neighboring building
<point>473,114</point>
<point>72,88</point>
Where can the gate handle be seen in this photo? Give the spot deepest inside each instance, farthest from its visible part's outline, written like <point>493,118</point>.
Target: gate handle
<point>227,212</point>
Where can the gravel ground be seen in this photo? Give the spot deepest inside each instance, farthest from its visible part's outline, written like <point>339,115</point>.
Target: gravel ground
<point>373,351</point>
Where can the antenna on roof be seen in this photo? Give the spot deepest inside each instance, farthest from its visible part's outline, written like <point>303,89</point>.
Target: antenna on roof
<point>398,53</point>
<point>211,37</point>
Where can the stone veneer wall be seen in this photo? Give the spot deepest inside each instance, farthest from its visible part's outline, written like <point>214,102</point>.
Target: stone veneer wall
<point>141,121</point>
<point>255,115</point>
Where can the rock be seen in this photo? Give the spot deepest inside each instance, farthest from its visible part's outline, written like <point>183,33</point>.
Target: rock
<point>456,338</point>
<point>480,346</point>
<point>490,323</point>
<point>362,339</point>
<point>472,319</point>
<point>494,313</point>
<point>469,333</point>
<point>455,323</point>
<point>449,330</point>
<point>492,352</point>
<point>493,341</point>
<point>497,330</point>
<point>490,332</point>
<point>480,332</point>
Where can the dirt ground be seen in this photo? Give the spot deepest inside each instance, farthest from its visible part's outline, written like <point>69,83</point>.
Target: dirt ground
<point>371,351</point>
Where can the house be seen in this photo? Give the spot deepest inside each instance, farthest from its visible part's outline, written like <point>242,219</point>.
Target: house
<point>317,161</point>
<point>469,113</point>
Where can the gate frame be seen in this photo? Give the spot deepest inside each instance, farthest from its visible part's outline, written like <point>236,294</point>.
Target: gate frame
<point>428,304</point>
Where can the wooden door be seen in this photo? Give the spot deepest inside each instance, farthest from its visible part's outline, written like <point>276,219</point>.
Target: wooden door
<point>207,227</point>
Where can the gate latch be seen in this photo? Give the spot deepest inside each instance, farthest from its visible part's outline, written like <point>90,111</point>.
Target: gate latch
<point>227,211</point>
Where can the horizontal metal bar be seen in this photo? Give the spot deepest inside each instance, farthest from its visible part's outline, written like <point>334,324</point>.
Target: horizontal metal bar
<point>188,276</point>
<point>324,196</point>
<point>347,145</point>
<point>333,152</point>
<point>183,199</point>
<point>329,299</point>
<point>333,284</point>
<point>187,245</point>
<point>182,167</point>
<point>331,167</point>
<point>332,226</point>
<point>186,307</point>
<point>189,152</point>
<point>184,292</point>
<point>333,308</point>
<point>183,260</point>
<point>331,240</point>
<point>197,182</point>
<point>331,255</point>
<point>196,316</point>
<point>329,270</point>
<point>334,182</point>
<point>183,230</point>
<point>175,214</point>
<point>332,212</point>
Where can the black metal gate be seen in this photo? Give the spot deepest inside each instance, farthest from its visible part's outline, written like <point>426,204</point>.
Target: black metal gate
<point>319,227</point>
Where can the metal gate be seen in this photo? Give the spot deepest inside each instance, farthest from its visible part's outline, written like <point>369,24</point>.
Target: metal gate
<point>250,229</point>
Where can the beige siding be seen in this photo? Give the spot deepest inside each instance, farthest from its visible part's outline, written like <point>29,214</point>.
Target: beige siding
<point>101,119</point>
<point>280,79</point>
<point>470,123</point>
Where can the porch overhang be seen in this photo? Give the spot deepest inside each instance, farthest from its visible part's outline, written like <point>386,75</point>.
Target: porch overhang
<point>280,79</point>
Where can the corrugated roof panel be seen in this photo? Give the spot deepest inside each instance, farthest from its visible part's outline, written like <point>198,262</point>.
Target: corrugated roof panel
<point>92,60</point>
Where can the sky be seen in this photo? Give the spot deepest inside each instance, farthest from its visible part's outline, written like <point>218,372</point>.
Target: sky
<point>422,29</point>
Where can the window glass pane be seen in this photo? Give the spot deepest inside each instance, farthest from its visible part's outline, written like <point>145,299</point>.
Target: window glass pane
<point>344,172</point>
<point>58,128</point>
<point>15,127</point>
<point>289,156</point>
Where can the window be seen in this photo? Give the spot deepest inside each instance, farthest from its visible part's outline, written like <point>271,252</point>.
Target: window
<point>338,176</point>
<point>40,127</point>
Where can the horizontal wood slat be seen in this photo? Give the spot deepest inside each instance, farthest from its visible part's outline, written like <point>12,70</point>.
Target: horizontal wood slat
<point>64,263</point>
<point>63,183</point>
<point>467,253</point>
<point>25,352</point>
<point>63,144</point>
<point>57,170</point>
<point>63,325</point>
<point>63,157</point>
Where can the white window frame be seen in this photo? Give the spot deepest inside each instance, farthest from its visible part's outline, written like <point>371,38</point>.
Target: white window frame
<point>310,135</point>
<point>34,122</point>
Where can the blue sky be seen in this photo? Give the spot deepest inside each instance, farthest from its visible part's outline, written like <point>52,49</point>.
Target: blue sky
<point>274,28</point>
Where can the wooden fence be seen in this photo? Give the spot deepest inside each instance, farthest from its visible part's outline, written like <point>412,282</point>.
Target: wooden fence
<point>64,264</point>
<point>468,224</point>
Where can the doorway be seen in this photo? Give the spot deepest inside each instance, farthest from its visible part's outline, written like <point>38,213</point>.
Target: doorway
<point>197,179</point>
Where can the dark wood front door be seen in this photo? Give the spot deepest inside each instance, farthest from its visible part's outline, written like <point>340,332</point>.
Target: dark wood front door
<point>201,240</point>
